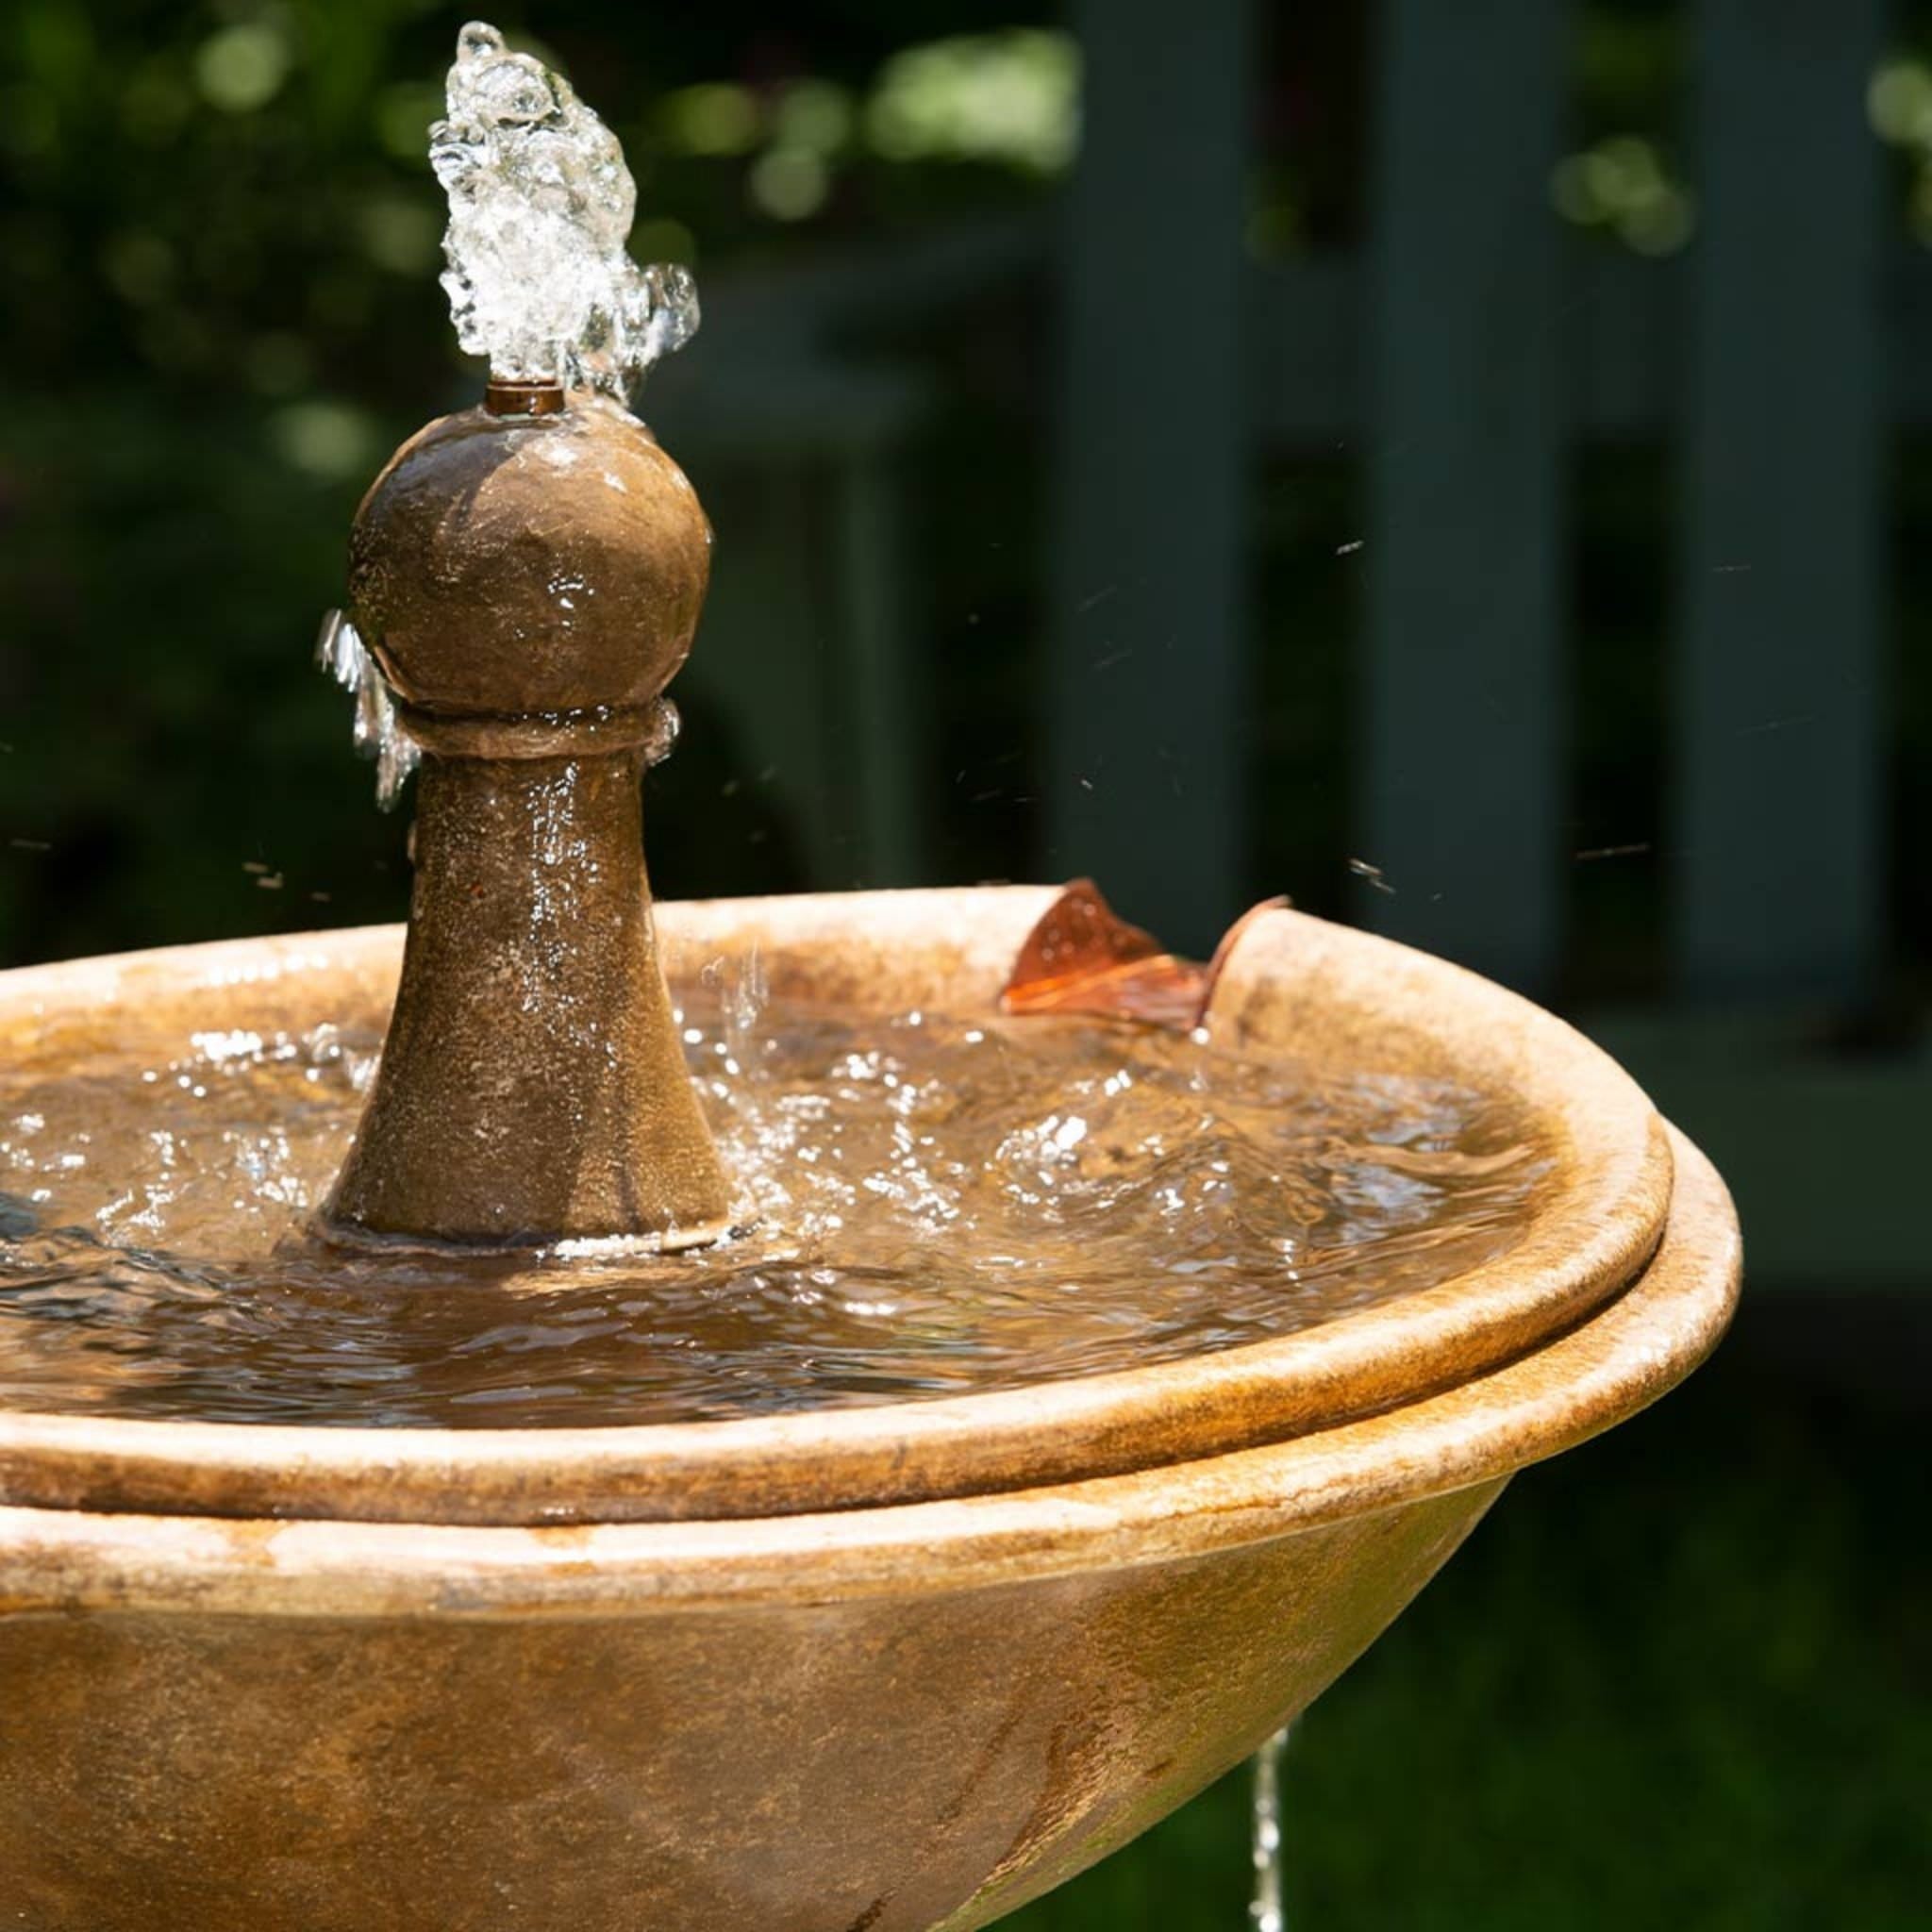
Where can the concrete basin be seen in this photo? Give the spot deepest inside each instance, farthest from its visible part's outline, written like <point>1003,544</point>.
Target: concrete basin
<point>875,1670</point>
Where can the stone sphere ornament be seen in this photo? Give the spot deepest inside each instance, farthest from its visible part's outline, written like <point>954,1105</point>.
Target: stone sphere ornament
<point>524,579</point>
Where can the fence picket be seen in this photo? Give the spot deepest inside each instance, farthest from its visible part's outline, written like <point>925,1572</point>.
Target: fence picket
<point>1778,867</point>
<point>1145,780</point>
<point>1462,805</point>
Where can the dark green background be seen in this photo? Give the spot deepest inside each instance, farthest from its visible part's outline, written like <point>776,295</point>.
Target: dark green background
<point>1681,1677</point>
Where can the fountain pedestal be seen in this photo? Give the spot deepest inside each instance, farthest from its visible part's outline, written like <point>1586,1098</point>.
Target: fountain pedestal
<point>528,576</point>
<point>904,1665</point>
<point>897,1667</point>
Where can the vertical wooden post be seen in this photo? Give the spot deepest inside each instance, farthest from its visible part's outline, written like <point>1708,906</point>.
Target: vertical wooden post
<point>1462,811</point>
<point>1146,785</point>
<point>1779,754</point>
<point>888,741</point>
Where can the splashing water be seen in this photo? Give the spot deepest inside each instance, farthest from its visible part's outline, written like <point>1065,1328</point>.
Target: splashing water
<point>1264,1913</point>
<point>539,205</point>
<point>938,1206</point>
<point>378,731</point>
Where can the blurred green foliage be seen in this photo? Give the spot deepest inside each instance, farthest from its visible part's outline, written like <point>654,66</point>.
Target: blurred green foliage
<point>223,243</point>
<point>1677,1678</point>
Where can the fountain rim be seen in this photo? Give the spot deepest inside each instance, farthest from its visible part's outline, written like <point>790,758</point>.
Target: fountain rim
<point>1585,1245</point>
<point>1618,1361</point>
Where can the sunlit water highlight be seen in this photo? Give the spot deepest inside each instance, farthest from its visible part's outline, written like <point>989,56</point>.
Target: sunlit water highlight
<point>937,1207</point>
<point>1265,1911</point>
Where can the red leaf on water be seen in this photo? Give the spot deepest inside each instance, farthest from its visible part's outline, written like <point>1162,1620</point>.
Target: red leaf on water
<point>1081,958</point>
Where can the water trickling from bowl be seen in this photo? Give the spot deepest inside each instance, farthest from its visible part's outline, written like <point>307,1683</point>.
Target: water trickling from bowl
<point>1265,1909</point>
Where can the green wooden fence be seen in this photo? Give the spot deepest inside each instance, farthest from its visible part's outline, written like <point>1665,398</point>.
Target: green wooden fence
<point>1468,351</point>
<point>1466,354</point>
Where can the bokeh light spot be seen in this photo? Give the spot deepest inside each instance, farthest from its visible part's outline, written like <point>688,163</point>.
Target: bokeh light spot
<point>242,67</point>
<point>1012,98</point>
<point>789,183</point>
<point>815,114</point>
<point>330,441</point>
<point>716,118</point>
<point>400,234</point>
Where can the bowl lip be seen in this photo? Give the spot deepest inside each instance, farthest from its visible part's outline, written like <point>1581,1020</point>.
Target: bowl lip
<point>1595,1232</point>
<point>1479,1433</point>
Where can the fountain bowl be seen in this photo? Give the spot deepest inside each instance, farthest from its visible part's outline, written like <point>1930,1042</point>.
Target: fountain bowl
<point>875,1670</point>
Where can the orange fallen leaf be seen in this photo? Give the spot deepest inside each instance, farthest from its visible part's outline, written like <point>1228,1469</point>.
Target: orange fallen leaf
<point>1082,957</point>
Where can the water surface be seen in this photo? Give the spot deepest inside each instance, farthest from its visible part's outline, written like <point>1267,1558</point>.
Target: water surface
<point>934,1207</point>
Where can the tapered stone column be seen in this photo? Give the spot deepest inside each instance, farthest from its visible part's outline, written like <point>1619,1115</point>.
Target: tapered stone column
<point>528,576</point>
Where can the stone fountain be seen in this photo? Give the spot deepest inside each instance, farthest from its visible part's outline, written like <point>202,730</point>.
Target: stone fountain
<point>875,1667</point>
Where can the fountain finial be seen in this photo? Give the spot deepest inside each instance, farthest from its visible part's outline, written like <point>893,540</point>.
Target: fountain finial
<point>525,579</point>
<point>539,205</point>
